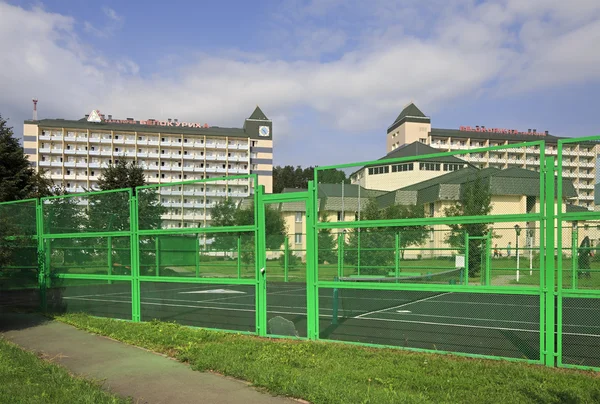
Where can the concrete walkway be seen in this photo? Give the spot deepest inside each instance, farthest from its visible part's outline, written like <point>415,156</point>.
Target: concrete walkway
<point>126,370</point>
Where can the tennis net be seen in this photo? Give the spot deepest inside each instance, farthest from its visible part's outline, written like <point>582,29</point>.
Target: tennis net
<point>352,302</point>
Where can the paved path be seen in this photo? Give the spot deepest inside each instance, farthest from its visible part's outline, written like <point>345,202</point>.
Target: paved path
<point>126,370</point>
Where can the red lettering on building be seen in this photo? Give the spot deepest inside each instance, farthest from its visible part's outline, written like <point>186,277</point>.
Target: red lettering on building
<point>499,130</point>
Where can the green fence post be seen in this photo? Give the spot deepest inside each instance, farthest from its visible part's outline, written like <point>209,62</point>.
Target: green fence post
<point>550,281</point>
<point>340,270</point>
<point>261,263</point>
<point>312,266</point>
<point>488,262</point>
<point>285,260</point>
<point>135,259</point>
<point>197,259</point>
<point>42,271</point>
<point>574,263</point>
<point>109,258</point>
<point>334,308</point>
<point>397,256</point>
<point>157,254</point>
<point>358,254</point>
<point>466,258</point>
<point>239,257</point>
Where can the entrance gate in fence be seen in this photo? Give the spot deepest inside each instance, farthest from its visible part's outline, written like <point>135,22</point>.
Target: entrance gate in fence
<point>443,256</point>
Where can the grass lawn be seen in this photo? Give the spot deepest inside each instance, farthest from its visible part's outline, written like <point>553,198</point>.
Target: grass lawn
<point>24,378</point>
<point>338,373</point>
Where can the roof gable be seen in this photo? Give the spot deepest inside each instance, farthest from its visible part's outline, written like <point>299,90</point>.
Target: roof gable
<point>258,115</point>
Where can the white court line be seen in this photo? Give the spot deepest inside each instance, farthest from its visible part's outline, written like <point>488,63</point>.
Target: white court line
<point>448,325</point>
<point>580,335</point>
<point>198,307</point>
<point>402,305</point>
<point>466,318</point>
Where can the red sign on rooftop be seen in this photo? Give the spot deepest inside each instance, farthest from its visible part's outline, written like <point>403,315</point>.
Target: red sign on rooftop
<point>501,130</point>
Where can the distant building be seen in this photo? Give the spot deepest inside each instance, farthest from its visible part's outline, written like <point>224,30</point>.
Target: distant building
<point>579,159</point>
<point>512,191</point>
<point>74,152</point>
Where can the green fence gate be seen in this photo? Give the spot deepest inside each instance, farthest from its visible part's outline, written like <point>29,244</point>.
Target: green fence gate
<point>476,260</point>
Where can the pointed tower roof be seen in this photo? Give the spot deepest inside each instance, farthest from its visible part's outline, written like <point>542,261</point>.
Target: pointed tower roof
<point>410,110</point>
<point>410,113</point>
<point>258,115</point>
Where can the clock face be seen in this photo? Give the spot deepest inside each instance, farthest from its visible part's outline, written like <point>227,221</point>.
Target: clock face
<point>263,131</point>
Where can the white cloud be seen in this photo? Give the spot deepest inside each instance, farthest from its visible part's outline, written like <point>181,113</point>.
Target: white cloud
<point>114,24</point>
<point>469,45</point>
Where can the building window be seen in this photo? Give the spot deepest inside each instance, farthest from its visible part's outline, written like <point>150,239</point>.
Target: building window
<point>298,238</point>
<point>162,163</point>
<point>179,140</point>
<point>452,167</point>
<point>431,209</point>
<point>339,217</point>
<point>253,143</point>
<point>423,140</point>
<point>162,139</point>
<point>68,172</point>
<point>184,140</point>
<point>430,166</point>
<point>298,217</point>
<point>156,175</point>
<point>185,153</point>
<point>379,170</point>
<point>396,168</point>
<point>116,136</point>
<point>162,176</point>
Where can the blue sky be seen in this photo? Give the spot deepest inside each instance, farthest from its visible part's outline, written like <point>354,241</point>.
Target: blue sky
<point>331,74</point>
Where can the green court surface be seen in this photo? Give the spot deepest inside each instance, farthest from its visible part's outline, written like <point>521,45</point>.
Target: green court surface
<point>505,325</point>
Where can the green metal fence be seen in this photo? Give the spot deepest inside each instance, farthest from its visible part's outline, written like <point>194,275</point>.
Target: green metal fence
<point>486,253</point>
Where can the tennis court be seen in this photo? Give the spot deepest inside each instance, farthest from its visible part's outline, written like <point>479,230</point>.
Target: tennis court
<point>476,323</point>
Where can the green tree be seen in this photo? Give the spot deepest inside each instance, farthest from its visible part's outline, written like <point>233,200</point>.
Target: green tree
<point>298,177</point>
<point>374,246</point>
<point>223,214</point>
<point>408,235</point>
<point>327,243</point>
<point>377,245</point>
<point>274,226</point>
<point>18,179</point>
<point>333,176</point>
<point>475,200</point>
<point>110,212</point>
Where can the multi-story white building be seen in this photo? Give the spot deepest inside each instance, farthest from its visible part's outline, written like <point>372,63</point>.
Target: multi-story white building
<point>74,152</point>
<point>579,159</point>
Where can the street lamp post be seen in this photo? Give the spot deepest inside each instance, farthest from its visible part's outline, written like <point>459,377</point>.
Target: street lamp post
<point>517,233</point>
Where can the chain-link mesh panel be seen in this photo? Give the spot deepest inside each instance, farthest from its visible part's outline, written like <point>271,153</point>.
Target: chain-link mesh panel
<point>109,255</point>
<point>106,211</point>
<point>486,324</point>
<point>212,255</point>
<point>227,307</point>
<point>216,202</point>
<point>380,252</point>
<point>285,242</point>
<point>513,253</point>
<point>577,164</point>
<point>101,298</point>
<point>18,254</point>
<point>580,259</point>
<point>580,331</point>
<point>416,185</point>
